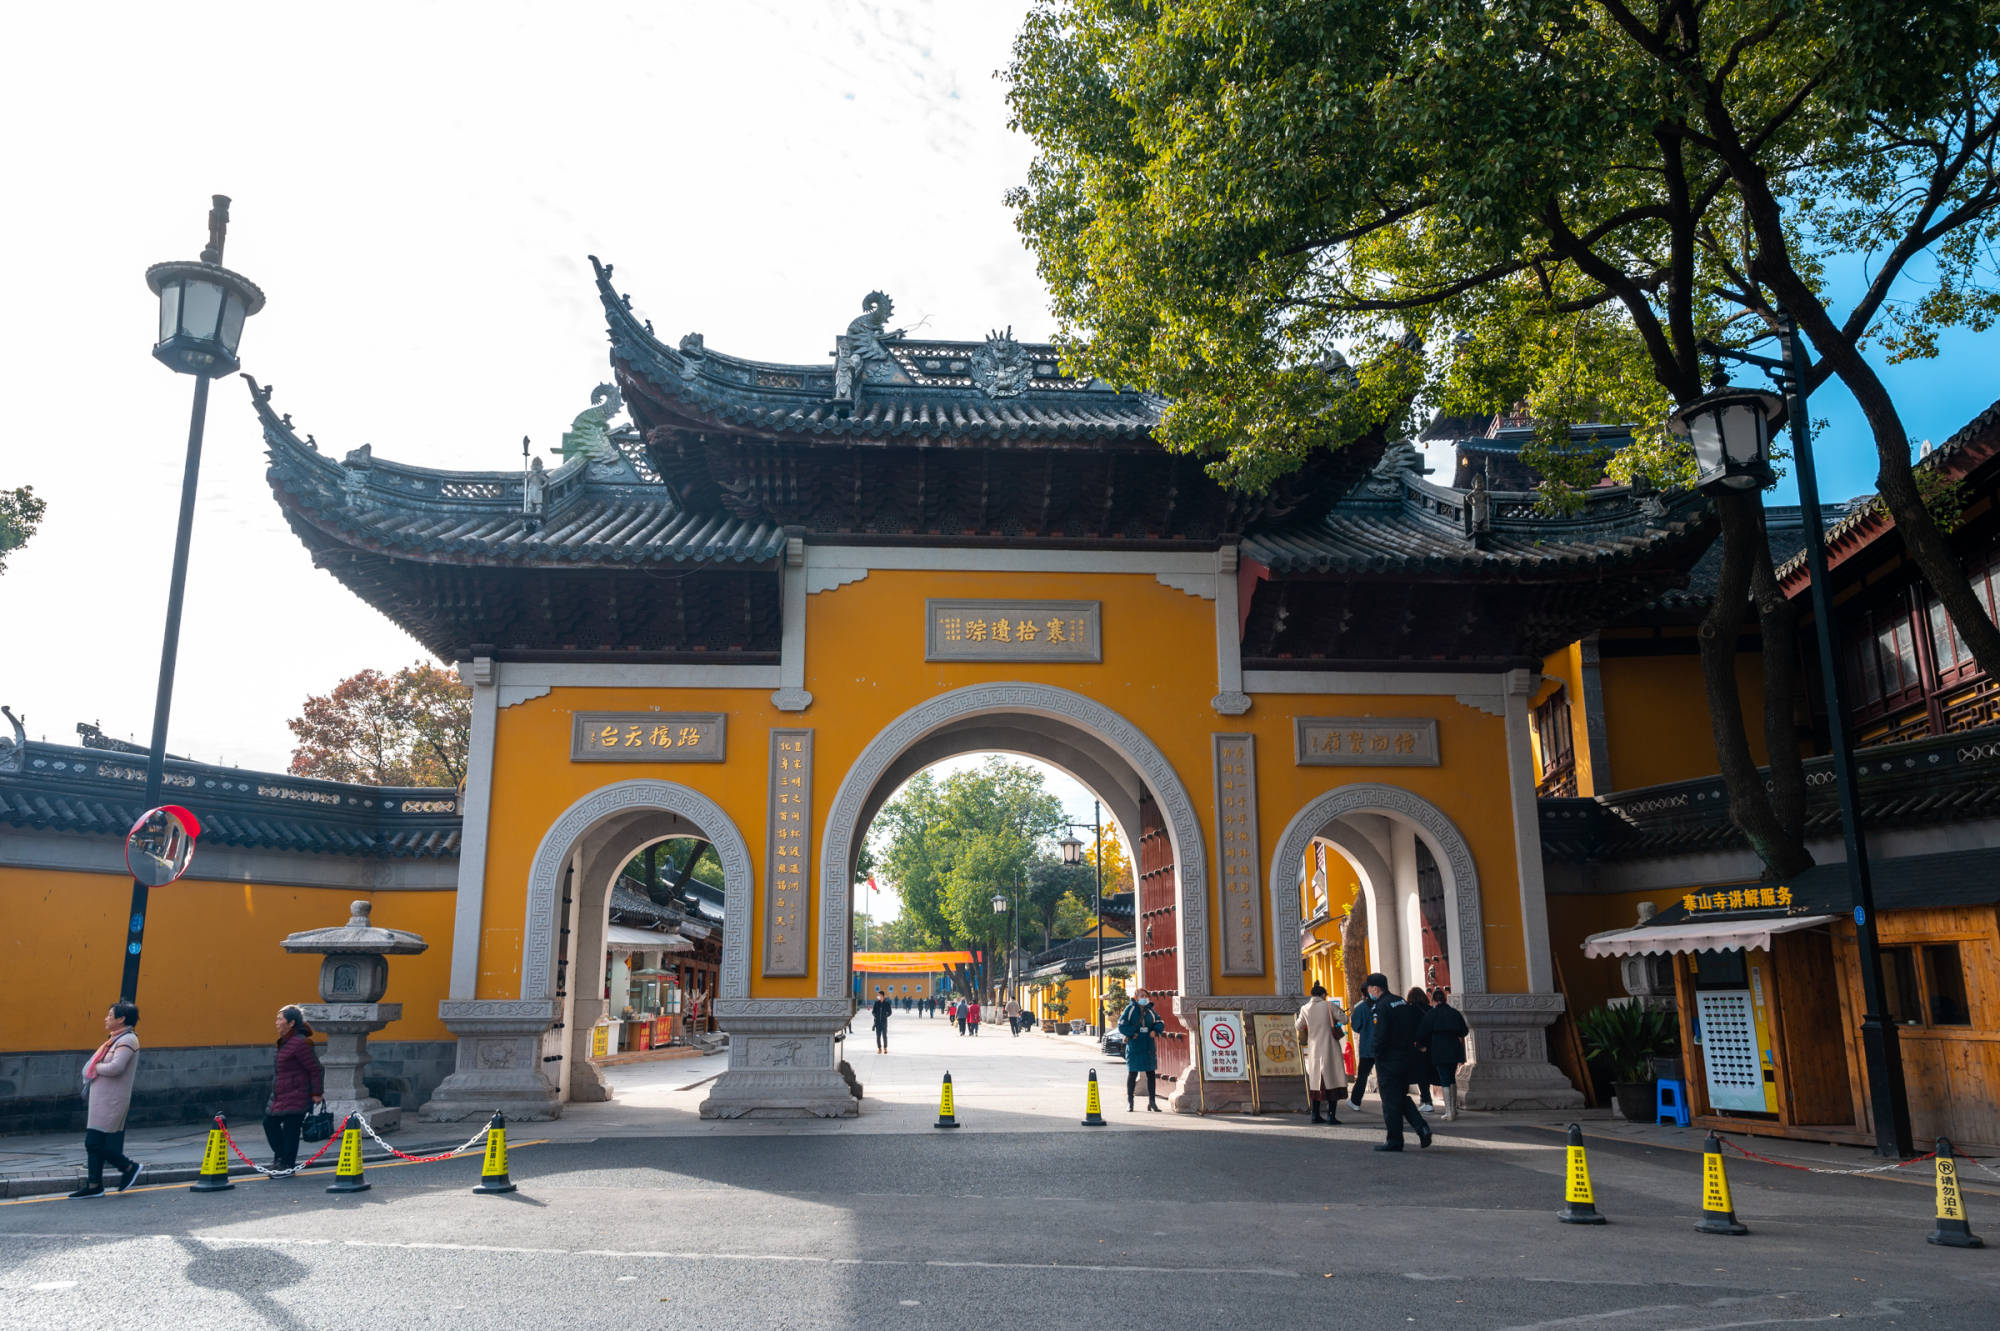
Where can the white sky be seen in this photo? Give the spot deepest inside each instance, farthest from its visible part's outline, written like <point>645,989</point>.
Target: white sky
<point>416,186</point>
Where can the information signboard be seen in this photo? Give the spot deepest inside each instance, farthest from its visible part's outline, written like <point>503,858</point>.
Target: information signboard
<point>1224,1056</point>
<point>1277,1045</point>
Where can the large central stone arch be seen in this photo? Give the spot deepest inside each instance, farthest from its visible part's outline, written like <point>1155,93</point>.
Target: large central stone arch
<point>1070,711</point>
<point>1447,846</point>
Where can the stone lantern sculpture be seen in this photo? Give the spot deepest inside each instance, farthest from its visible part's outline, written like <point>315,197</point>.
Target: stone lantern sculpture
<point>352,980</point>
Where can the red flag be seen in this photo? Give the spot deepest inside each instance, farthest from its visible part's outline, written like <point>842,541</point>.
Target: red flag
<point>871,884</point>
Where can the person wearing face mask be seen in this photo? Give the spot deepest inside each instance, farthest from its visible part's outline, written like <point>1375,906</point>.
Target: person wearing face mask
<point>1139,1023</point>
<point>1397,1062</point>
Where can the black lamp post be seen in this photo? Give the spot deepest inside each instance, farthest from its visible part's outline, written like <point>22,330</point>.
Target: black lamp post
<point>202,309</point>
<point>1003,903</point>
<point>1072,853</point>
<point>1730,431</point>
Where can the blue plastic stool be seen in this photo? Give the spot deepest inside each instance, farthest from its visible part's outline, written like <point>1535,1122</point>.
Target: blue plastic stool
<point>1671,1103</point>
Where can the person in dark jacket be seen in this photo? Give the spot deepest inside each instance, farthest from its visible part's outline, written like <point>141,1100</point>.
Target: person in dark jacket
<point>1362,1022</point>
<point>298,1084</point>
<point>1443,1037</point>
<point>1397,1062</point>
<point>1421,1001</point>
<point>1139,1024</point>
<point>881,1011</point>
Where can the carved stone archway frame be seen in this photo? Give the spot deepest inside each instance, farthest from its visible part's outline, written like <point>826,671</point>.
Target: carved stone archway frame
<point>1508,1065</point>
<point>500,1040</point>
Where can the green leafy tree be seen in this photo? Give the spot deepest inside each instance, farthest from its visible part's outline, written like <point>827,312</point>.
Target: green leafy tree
<point>1553,203</point>
<point>20,514</point>
<point>950,845</point>
<point>1072,918</point>
<point>1049,882</point>
<point>411,728</point>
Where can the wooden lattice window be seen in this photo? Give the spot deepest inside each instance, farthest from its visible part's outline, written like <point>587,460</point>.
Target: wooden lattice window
<point>1556,746</point>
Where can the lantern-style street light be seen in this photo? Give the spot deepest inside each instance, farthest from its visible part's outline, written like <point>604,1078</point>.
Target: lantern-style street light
<point>1734,426</point>
<point>1730,430</point>
<point>202,309</point>
<point>1072,850</point>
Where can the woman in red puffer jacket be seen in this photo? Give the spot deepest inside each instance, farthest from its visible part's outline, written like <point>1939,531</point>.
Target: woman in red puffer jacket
<point>297,1087</point>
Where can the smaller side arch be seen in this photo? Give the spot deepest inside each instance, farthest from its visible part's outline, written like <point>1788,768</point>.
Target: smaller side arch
<point>545,875</point>
<point>1447,845</point>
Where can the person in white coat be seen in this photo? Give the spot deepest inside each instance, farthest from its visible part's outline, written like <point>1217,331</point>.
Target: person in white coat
<point>1320,1034</point>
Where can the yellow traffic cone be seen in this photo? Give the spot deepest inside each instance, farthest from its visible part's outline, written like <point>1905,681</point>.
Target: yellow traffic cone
<point>1093,1108</point>
<point>347,1174</point>
<point>1579,1203</point>
<point>214,1163</point>
<point>1718,1216</point>
<point>493,1171</point>
<point>947,1111</point>
<point>1953,1230</point>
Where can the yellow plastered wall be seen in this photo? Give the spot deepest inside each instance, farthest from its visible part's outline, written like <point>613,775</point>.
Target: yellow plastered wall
<point>1564,670</point>
<point>1656,717</point>
<point>213,972</point>
<point>865,667</point>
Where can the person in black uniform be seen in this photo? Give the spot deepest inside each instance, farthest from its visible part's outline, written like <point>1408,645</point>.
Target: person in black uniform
<point>881,1011</point>
<point>1398,1062</point>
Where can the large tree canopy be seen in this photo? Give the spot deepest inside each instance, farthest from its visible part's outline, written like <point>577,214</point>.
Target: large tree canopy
<point>411,728</point>
<point>950,845</point>
<point>20,514</point>
<point>1549,202</point>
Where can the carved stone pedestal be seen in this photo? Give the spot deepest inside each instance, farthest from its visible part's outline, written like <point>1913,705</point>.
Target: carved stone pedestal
<point>586,1080</point>
<point>781,1060</point>
<point>499,1062</point>
<point>1509,1064</point>
<point>347,1027</point>
<point>1190,1096</point>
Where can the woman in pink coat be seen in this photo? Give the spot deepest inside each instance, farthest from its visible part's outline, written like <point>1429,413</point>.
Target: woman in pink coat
<point>107,1094</point>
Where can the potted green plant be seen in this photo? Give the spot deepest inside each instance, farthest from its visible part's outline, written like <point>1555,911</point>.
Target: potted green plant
<point>1623,1042</point>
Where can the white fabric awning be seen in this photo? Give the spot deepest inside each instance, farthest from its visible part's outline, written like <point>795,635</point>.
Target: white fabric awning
<point>1695,936</point>
<point>624,938</point>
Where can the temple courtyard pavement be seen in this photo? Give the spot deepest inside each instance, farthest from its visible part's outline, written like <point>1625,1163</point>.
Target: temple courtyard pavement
<point>638,1212</point>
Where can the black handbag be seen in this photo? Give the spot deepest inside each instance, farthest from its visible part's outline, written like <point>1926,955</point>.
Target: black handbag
<point>318,1125</point>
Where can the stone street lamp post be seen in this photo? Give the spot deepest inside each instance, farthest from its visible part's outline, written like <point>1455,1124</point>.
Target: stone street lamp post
<point>352,980</point>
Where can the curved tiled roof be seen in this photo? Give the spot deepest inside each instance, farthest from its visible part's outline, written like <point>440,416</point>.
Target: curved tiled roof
<point>931,393</point>
<point>478,517</point>
<point>1420,529</point>
<point>90,791</point>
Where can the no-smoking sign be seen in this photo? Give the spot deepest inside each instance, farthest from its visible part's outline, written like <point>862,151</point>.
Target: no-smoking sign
<point>1222,1046</point>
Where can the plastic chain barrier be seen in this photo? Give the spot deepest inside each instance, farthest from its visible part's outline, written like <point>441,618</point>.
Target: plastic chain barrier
<point>1808,1169</point>
<point>476,1139</point>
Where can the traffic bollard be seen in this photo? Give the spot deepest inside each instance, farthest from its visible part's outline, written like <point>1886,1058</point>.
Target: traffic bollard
<point>347,1174</point>
<point>1718,1216</point>
<point>1093,1108</point>
<point>1579,1203</point>
<point>493,1170</point>
<point>947,1111</point>
<point>214,1163</point>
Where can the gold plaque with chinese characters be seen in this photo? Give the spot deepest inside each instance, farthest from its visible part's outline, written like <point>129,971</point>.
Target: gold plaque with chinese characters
<point>1051,631</point>
<point>1236,825</point>
<point>790,852</point>
<point>1365,741</point>
<point>646,737</point>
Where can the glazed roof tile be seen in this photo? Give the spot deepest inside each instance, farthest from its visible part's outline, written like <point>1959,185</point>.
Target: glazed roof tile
<point>929,391</point>
<point>593,514</point>
<point>1419,529</point>
<point>90,791</point>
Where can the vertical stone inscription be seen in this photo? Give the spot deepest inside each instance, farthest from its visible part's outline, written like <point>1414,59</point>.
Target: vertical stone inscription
<point>785,866</point>
<point>1236,821</point>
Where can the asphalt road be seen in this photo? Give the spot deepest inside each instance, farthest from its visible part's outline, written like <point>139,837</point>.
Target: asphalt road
<point>1133,1224</point>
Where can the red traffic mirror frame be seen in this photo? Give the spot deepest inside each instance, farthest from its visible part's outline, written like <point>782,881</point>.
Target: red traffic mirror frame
<point>160,845</point>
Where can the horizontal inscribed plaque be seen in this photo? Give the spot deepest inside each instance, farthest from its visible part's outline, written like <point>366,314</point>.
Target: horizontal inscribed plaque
<point>646,737</point>
<point>785,875</point>
<point>1365,741</point>
<point>1236,821</point>
<point>1013,631</point>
